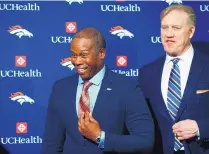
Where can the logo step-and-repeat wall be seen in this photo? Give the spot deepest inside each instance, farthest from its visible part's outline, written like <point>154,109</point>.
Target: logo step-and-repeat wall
<point>35,41</point>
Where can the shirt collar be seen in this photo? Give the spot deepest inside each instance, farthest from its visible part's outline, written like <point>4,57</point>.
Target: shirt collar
<point>186,57</point>
<point>97,79</point>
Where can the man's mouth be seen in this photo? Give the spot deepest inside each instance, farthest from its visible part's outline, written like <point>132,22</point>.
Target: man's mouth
<point>81,70</point>
<point>170,41</point>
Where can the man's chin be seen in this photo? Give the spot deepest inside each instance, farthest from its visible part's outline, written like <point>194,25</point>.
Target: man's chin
<point>84,77</point>
<point>171,53</point>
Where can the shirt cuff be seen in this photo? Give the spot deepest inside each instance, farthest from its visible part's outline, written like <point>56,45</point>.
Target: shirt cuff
<point>102,140</point>
<point>198,135</point>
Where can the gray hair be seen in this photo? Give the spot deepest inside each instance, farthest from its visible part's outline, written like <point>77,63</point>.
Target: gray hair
<point>180,7</point>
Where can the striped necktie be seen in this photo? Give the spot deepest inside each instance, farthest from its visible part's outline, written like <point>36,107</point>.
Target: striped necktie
<point>84,102</point>
<point>174,96</point>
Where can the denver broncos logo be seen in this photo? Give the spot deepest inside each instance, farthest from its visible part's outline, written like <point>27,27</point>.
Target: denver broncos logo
<point>67,62</point>
<point>21,98</point>
<point>121,32</point>
<point>19,31</point>
<point>173,1</point>
<point>71,1</point>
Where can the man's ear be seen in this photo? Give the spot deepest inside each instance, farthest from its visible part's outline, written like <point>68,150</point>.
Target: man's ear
<point>102,53</point>
<point>191,31</point>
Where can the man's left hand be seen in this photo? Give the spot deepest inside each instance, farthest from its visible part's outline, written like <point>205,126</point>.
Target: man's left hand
<point>185,129</point>
<point>88,126</point>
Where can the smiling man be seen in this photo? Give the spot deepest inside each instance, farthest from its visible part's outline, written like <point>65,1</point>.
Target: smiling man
<point>179,92</point>
<point>90,112</point>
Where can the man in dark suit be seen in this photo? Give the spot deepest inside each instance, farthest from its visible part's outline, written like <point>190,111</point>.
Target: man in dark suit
<point>89,112</point>
<point>177,86</point>
<point>3,150</point>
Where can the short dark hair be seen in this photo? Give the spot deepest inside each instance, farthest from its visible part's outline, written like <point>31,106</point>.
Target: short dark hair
<point>94,35</point>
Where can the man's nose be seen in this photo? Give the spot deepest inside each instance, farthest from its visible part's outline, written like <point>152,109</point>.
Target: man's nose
<point>169,32</point>
<point>77,60</point>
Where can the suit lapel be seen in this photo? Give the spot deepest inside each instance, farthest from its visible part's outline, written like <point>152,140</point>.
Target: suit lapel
<point>196,68</point>
<point>103,95</point>
<point>71,109</point>
<point>161,103</point>
<point>105,90</point>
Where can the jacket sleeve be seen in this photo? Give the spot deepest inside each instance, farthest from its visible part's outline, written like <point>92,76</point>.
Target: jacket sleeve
<point>54,135</point>
<point>203,129</point>
<point>139,124</point>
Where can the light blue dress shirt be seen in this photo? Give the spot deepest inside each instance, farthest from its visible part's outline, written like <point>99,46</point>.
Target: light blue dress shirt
<point>93,93</point>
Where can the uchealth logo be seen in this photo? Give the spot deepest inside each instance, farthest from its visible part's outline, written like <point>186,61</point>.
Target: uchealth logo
<point>19,7</point>
<point>156,39</point>
<point>19,31</point>
<point>173,1</point>
<point>21,98</point>
<point>22,130</point>
<point>121,61</point>
<point>61,39</point>
<point>121,8</point>
<point>129,72</point>
<point>21,140</point>
<point>21,127</point>
<point>71,27</point>
<point>73,1</point>
<point>204,8</point>
<point>67,63</point>
<point>20,61</point>
<point>29,73</point>
<point>121,32</point>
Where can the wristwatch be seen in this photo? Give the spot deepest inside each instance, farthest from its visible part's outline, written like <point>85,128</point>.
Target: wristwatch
<point>98,139</point>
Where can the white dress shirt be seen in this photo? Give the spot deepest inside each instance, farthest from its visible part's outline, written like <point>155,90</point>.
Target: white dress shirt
<point>184,66</point>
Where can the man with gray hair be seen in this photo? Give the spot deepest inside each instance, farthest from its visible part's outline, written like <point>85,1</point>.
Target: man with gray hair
<point>179,92</point>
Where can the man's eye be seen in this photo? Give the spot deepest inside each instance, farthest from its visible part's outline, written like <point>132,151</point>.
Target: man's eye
<point>176,28</point>
<point>84,55</point>
<point>73,56</point>
<point>163,27</point>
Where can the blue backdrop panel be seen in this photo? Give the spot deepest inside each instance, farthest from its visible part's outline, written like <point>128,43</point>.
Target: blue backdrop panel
<point>35,41</point>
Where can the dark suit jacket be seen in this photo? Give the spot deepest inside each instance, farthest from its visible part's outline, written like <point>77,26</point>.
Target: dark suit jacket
<point>194,106</point>
<point>117,109</point>
<point>3,150</point>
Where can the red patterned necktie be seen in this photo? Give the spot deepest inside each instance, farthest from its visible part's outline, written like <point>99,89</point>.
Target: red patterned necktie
<point>84,102</point>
